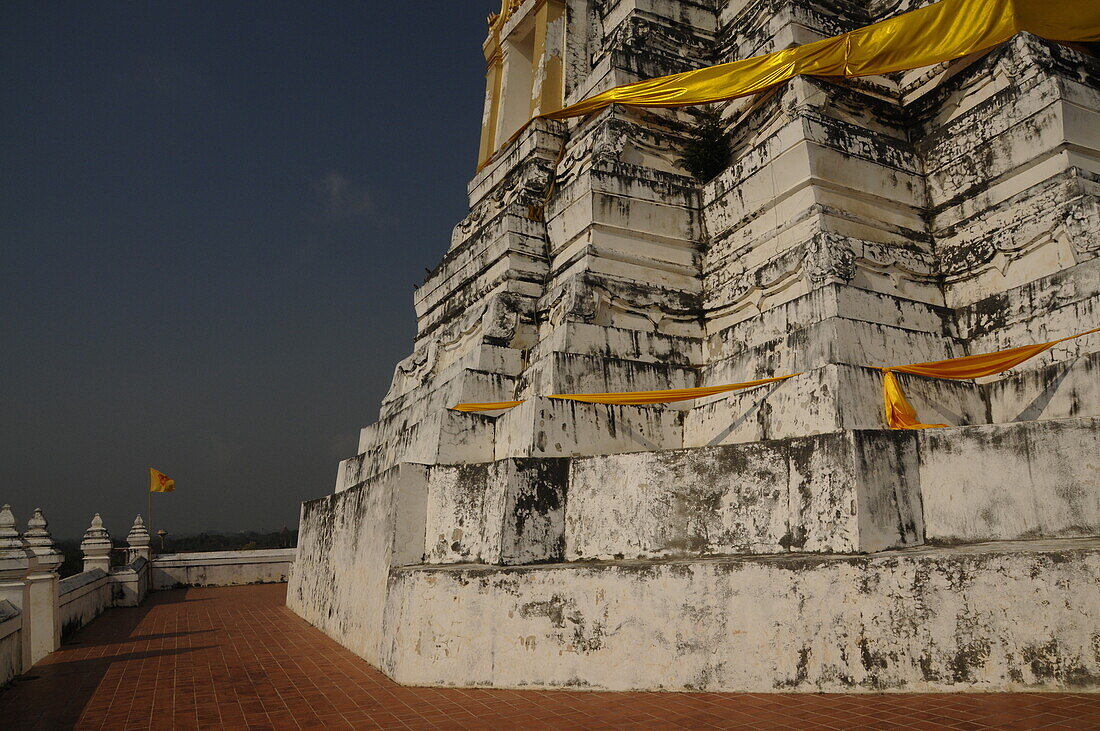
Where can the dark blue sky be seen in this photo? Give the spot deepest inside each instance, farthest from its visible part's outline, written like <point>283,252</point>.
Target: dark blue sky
<point>212,215</point>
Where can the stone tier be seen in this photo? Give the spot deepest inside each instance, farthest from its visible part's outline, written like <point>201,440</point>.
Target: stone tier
<point>574,373</point>
<point>509,257</point>
<point>482,373</point>
<point>750,28</point>
<point>835,182</point>
<point>695,557</point>
<point>1046,309</point>
<point>830,396</point>
<point>845,492</point>
<point>630,40</point>
<point>606,341</point>
<point>994,617</point>
<point>419,426</point>
<point>544,427</point>
<point>622,228</point>
<point>846,324</point>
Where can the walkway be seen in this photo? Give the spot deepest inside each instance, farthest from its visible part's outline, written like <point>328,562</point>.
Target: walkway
<point>237,658</point>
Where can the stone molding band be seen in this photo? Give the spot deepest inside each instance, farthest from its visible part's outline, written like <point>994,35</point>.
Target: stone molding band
<point>899,413</point>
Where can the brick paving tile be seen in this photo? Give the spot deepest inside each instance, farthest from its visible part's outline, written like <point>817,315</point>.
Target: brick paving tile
<point>236,658</point>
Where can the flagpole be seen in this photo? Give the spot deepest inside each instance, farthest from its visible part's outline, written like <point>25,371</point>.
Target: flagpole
<point>150,510</point>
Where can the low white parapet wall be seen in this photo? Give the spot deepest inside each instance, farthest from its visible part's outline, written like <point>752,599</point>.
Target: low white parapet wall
<point>11,644</point>
<point>130,583</point>
<point>222,568</point>
<point>82,598</point>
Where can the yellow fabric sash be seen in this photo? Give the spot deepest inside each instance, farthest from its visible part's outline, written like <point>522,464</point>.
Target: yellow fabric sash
<point>491,406</point>
<point>901,415</point>
<point>940,32</point>
<point>643,398</point>
<point>631,398</point>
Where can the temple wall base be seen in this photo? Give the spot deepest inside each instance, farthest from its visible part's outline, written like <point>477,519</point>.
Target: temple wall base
<point>997,617</point>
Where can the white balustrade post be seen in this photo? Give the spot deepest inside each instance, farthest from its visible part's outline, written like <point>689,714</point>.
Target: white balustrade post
<point>97,546</point>
<point>42,582</point>
<point>14,564</point>
<point>138,540</point>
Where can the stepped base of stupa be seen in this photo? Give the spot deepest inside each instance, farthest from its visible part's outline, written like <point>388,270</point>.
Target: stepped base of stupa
<point>947,559</point>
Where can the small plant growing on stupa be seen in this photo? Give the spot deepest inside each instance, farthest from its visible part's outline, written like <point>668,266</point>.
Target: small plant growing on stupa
<point>708,150</point>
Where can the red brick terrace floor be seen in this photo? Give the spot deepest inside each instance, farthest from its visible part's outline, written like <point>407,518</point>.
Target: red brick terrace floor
<point>237,658</point>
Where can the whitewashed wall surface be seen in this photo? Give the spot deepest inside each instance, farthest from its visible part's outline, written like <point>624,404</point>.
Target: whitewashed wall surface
<point>11,644</point>
<point>83,597</point>
<point>222,568</point>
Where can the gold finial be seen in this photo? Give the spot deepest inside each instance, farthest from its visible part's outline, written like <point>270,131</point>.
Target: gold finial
<point>508,8</point>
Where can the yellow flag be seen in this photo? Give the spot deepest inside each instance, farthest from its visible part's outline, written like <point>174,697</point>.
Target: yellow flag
<point>160,482</point>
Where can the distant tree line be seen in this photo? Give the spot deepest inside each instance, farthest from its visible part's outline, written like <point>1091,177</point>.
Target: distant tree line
<point>205,541</point>
<point>244,541</point>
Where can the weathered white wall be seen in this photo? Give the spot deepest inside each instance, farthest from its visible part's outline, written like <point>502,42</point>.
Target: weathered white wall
<point>347,543</point>
<point>130,583</point>
<point>221,568</point>
<point>1011,481</point>
<point>543,427</point>
<point>83,597</point>
<point>506,512</point>
<point>1006,617</point>
<point>11,642</point>
<point>843,492</point>
<point>849,492</point>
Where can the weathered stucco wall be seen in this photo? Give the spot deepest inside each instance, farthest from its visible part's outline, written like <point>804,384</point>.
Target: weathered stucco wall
<point>844,492</point>
<point>347,543</point>
<point>1012,616</point>
<point>359,575</point>
<point>841,492</point>
<point>130,583</point>
<point>82,598</point>
<point>1025,480</point>
<point>11,642</point>
<point>221,568</point>
<point>506,512</point>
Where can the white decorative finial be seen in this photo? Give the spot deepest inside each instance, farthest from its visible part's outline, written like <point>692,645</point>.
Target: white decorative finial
<point>139,534</point>
<point>138,540</point>
<point>7,520</point>
<point>96,546</point>
<point>9,533</point>
<point>37,533</point>
<point>96,531</point>
<point>40,546</point>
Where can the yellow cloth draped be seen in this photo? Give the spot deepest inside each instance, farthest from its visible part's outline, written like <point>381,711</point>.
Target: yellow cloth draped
<point>940,32</point>
<point>901,415</point>
<point>492,406</point>
<point>632,398</point>
<point>643,398</point>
